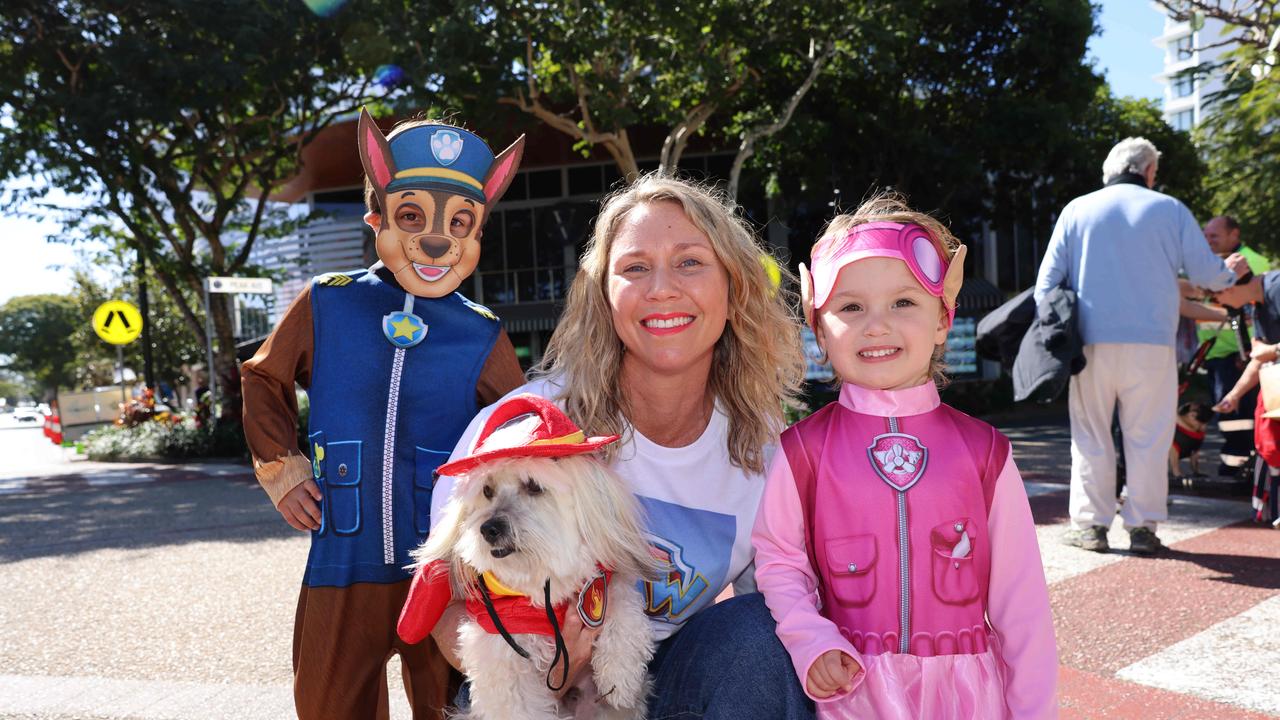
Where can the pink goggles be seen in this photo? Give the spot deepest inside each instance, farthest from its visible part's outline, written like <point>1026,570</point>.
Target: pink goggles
<point>909,243</point>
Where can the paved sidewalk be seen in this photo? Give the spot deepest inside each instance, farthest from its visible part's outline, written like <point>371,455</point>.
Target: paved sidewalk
<point>158,592</point>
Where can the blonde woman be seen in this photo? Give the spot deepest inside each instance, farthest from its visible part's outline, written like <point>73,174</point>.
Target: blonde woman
<point>674,338</point>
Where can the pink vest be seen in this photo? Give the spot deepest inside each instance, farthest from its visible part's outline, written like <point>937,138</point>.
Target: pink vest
<point>896,524</point>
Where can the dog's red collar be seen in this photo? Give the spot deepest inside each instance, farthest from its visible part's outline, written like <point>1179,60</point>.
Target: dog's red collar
<point>520,617</point>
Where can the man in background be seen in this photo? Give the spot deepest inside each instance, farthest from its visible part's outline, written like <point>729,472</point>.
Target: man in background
<point>1223,362</point>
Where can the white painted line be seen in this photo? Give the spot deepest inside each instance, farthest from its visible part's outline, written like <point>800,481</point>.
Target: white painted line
<point>1232,662</point>
<point>10,487</point>
<point>1043,488</point>
<point>1188,517</point>
<point>76,697</point>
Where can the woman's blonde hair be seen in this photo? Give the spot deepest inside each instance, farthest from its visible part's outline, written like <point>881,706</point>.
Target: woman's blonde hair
<point>758,364</point>
<point>892,207</point>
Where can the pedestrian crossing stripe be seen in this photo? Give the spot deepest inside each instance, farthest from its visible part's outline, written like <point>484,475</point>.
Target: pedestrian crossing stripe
<point>334,280</point>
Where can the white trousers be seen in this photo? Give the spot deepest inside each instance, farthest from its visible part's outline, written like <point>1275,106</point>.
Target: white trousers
<point>1142,382</point>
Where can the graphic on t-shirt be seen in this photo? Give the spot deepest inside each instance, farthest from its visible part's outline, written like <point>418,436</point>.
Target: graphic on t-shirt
<point>697,545</point>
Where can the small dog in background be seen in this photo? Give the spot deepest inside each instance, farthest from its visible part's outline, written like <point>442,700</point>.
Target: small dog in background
<point>1188,436</point>
<point>537,528</point>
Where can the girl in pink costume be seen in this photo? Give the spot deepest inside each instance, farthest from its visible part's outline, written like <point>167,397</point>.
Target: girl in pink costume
<point>894,543</point>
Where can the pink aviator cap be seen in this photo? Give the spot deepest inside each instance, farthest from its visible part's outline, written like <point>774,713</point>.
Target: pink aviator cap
<point>907,242</point>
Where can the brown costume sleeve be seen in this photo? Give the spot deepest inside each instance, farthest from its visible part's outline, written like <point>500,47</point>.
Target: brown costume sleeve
<point>501,372</point>
<point>270,405</point>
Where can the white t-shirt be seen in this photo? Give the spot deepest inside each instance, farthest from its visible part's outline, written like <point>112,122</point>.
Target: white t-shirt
<point>700,509</point>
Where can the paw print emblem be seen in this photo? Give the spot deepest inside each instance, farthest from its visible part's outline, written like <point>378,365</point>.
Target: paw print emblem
<point>896,461</point>
<point>446,146</point>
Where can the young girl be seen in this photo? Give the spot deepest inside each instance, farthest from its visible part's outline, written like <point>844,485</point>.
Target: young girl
<point>894,543</point>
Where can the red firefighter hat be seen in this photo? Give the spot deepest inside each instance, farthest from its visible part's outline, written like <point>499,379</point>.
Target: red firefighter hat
<point>526,426</point>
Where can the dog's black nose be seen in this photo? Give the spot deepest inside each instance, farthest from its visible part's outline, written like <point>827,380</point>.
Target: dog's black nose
<point>494,529</point>
<point>436,249</point>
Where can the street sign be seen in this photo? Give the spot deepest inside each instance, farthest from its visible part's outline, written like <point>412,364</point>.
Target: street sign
<point>253,286</point>
<point>117,322</point>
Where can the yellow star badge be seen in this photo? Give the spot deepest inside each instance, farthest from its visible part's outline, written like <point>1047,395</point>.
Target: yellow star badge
<point>405,327</point>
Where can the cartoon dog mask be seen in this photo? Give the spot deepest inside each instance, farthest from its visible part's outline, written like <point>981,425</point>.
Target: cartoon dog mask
<point>435,185</point>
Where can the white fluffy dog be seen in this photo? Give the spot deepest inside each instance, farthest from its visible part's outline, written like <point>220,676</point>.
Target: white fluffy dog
<point>539,527</point>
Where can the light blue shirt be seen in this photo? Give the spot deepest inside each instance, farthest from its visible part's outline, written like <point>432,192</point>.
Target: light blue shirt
<point>1121,249</point>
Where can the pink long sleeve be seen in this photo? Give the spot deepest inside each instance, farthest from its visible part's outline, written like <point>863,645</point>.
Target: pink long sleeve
<point>788,582</point>
<point>1018,602</point>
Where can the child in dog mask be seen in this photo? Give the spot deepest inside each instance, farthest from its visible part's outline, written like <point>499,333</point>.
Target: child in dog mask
<point>394,361</point>
<point>908,516</point>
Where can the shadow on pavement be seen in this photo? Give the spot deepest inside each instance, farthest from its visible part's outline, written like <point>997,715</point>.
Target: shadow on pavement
<point>136,516</point>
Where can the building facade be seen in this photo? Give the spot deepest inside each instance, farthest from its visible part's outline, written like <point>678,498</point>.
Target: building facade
<point>1187,45</point>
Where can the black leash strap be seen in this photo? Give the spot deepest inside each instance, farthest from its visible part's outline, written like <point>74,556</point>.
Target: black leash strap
<point>493,615</point>
<point>562,652</point>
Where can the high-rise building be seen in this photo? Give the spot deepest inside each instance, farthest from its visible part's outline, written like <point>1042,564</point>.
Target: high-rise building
<point>1189,44</point>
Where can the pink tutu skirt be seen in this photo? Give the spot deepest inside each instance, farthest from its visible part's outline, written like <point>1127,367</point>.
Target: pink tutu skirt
<point>908,687</point>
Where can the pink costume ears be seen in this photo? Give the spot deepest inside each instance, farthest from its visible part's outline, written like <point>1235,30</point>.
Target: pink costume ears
<point>806,295</point>
<point>952,281</point>
<point>503,171</point>
<point>375,155</point>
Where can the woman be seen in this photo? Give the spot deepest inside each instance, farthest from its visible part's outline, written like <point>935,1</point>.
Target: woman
<point>674,337</point>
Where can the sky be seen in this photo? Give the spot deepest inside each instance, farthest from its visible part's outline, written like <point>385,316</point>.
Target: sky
<point>1123,53</point>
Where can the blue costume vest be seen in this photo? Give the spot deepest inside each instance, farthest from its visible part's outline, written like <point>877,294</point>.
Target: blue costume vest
<point>383,418</point>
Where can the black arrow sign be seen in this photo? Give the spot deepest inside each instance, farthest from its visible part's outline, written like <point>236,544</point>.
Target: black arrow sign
<point>111,316</point>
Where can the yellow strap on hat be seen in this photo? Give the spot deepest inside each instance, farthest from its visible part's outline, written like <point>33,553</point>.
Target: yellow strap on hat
<point>576,438</point>
<point>444,173</point>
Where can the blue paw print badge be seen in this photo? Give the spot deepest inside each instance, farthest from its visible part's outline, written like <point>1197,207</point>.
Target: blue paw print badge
<point>403,328</point>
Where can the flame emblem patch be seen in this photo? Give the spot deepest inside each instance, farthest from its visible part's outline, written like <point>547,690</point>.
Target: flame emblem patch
<point>594,600</point>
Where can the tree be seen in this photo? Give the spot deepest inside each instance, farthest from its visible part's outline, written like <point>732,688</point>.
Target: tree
<point>175,120</point>
<point>1238,134</point>
<point>35,334</point>
<point>967,106</point>
<point>600,72</point>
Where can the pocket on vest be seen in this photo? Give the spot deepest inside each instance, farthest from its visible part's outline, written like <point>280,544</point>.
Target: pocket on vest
<point>342,478</point>
<point>955,579</point>
<point>850,561</point>
<point>424,480</point>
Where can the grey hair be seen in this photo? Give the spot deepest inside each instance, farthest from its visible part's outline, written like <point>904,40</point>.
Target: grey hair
<point>1131,155</point>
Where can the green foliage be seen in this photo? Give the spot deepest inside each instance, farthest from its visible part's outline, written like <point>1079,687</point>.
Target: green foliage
<point>601,71</point>
<point>176,119</point>
<point>1241,142</point>
<point>1108,120</point>
<point>36,334</point>
<point>967,106</point>
<point>165,440</point>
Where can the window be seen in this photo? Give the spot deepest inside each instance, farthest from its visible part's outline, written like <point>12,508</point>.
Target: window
<point>1183,85</point>
<point>1184,48</point>
<point>1183,120</point>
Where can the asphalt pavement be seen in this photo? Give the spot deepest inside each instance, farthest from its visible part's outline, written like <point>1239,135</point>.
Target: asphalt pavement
<point>157,592</point>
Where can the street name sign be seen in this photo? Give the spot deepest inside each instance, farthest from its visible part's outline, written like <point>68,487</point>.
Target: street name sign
<point>253,286</point>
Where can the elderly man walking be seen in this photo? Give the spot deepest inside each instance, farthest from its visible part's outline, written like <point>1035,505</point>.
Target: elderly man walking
<point>1120,249</point>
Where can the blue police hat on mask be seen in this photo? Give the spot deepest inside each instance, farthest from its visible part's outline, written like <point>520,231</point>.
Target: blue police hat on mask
<point>440,157</point>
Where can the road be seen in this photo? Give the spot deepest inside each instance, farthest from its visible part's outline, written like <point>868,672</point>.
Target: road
<point>159,592</point>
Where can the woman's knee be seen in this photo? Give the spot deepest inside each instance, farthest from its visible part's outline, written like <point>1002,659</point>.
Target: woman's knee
<point>745,633</point>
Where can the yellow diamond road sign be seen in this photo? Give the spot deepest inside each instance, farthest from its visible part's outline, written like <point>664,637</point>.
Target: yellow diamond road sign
<point>117,322</point>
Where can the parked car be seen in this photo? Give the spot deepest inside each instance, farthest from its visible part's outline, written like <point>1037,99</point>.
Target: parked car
<point>27,415</point>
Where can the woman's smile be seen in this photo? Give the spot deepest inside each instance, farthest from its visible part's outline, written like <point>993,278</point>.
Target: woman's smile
<point>667,323</point>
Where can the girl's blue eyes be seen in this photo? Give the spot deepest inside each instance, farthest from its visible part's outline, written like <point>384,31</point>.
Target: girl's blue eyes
<point>900,303</point>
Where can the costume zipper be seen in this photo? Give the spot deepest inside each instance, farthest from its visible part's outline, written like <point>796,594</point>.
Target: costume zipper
<point>904,565</point>
<point>389,448</point>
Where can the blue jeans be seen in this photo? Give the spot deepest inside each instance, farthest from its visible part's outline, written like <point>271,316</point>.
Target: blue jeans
<point>727,663</point>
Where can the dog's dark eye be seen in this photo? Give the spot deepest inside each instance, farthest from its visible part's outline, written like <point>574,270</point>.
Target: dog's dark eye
<point>532,487</point>
<point>488,492</point>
